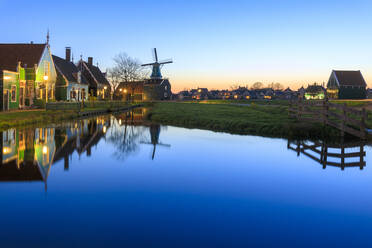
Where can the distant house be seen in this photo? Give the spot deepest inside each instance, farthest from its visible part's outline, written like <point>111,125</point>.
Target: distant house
<point>201,94</point>
<point>184,95</point>
<point>314,92</point>
<point>26,73</point>
<point>71,85</point>
<point>301,92</point>
<point>99,86</point>
<point>347,85</point>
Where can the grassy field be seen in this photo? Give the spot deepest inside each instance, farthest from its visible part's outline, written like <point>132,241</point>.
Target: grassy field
<point>255,119</point>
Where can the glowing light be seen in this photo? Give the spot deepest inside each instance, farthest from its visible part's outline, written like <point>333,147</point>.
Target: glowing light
<point>119,121</point>
<point>45,149</point>
<point>6,150</point>
<point>120,90</point>
<point>46,77</point>
<point>199,90</point>
<point>7,77</point>
<point>247,97</point>
<point>104,129</point>
<point>105,87</point>
<point>125,90</point>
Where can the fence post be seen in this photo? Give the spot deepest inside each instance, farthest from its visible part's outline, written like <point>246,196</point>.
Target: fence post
<point>361,156</point>
<point>363,124</point>
<point>299,109</point>
<point>343,120</point>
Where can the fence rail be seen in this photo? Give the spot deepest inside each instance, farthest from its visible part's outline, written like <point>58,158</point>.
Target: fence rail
<point>319,152</point>
<point>340,116</point>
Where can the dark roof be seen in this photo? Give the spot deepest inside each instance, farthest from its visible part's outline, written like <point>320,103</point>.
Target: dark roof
<point>97,74</point>
<point>68,70</point>
<point>27,54</point>
<point>353,78</point>
<point>314,89</point>
<point>28,171</point>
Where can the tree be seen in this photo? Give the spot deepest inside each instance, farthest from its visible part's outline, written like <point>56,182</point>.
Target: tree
<point>257,86</point>
<point>126,69</point>
<point>276,86</point>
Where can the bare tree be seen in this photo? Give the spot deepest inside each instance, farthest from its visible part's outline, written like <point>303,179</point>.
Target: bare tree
<point>257,86</point>
<point>126,69</point>
<point>276,86</point>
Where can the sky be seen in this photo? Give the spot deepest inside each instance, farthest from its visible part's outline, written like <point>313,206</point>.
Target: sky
<point>214,44</point>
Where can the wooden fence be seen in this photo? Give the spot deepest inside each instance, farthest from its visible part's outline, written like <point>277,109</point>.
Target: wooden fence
<point>346,119</point>
<point>320,152</point>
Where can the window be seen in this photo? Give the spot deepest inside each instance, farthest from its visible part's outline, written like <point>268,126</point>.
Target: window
<point>14,93</point>
<point>46,67</point>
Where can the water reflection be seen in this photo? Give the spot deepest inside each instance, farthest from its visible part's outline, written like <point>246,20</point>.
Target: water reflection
<point>28,154</point>
<point>342,155</point>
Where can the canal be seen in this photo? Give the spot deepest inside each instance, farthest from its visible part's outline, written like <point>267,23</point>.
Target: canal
<point>117,181</point>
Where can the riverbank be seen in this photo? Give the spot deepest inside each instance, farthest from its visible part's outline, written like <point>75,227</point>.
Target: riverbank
<point>254,119</point>
<point>38,116</point>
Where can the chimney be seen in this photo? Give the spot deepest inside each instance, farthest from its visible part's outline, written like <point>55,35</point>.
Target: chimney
<point>68,54</point>
<point>90,60</point>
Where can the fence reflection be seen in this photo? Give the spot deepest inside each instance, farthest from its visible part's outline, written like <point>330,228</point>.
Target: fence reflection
<point>345,154</point>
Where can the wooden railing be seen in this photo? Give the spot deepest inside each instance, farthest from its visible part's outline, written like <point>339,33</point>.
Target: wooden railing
<point>346,119</point>
<point>320,152</point>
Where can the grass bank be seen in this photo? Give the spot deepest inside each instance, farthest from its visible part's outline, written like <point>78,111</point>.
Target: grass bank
<point>42,116</point>
<point>255,119</point>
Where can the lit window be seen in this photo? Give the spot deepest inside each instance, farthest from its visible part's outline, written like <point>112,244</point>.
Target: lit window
<point>14,93</point>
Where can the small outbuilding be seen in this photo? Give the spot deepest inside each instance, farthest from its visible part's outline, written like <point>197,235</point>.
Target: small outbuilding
<point>314,92</point>
<point>346,85</point>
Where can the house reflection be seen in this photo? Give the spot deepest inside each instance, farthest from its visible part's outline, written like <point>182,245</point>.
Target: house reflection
<point>28,154</point>
<point>342,155</point>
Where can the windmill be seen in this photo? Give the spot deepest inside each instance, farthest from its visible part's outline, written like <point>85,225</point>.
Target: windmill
<point>156,66</point>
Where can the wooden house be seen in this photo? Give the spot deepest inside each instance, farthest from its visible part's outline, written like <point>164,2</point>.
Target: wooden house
<point>71,85</point>
<point>99,86</point>
<point>27,73</point>
<point>314,92</point>
<point>129,91</point>
<point>346,85</point>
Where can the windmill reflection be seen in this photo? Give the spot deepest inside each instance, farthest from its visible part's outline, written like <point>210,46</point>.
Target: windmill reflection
<point>341,155</point>
<point>132,132</point>
<point>154,134</point>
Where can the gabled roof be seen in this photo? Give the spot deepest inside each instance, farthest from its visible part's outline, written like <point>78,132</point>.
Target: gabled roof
<point>96,73</point>
<point>68,70</point>
<point>314,89</point>
<point>27,54</point>
<point>350,78</point>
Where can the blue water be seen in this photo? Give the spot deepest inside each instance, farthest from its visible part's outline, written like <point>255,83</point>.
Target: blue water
<point>198,189</point>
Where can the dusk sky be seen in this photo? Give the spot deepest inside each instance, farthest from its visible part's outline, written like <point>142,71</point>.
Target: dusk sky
<point>214,44</point>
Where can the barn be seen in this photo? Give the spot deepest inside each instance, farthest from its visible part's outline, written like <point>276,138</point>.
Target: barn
<point>346,85</point>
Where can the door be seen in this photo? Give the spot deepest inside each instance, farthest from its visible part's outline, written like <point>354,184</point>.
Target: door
<point>6,100</point>
<point>21,97</point>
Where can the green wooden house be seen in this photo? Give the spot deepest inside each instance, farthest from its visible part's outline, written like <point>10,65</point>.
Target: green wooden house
<point>346,85</point>
<point>27,73</point>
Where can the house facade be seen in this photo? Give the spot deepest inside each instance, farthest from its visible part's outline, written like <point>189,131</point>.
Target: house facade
<point>71,85</point>
<point>27,73</point>
<point>314,92</point>
<point>346,85</point>
<point>98,84</point>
